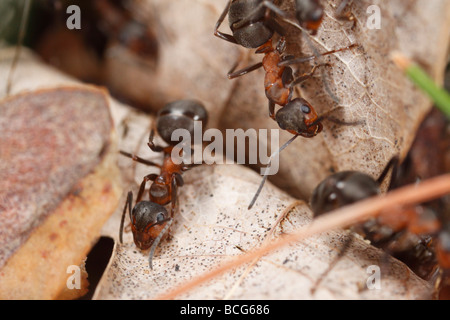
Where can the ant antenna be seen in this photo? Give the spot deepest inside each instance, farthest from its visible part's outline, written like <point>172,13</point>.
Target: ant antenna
<point>21,36</point>
<point>158,239</point>
<point>266,175</point>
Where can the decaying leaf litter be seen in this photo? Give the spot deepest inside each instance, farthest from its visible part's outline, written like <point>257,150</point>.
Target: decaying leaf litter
<point>245,97</point>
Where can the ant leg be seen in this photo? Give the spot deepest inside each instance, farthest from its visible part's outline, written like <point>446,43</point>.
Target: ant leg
<point>152,145</point>
<point>23,26</point>
<point>139,159</point>
<point>177,181</point>
<point>272,109</point>
<point>267,171</point>
<point>217,33</point>
<point>289,60</point>
<point>128,204</point>
<point>234,74</point>
<point>306,76</point>
<point>150,177</point>
<point>333,263</point>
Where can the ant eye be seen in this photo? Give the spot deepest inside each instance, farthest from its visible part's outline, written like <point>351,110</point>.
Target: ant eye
<point>332,197</point>
<point>160,217</point>
<point>305,109</point>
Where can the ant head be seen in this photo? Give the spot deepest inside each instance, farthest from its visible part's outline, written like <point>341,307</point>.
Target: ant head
<point>253,31</point>
<point>299,117</point>
<point>341,189</point>
<point>309,13</point>
<point>179,114</point>
<point>148,219</point>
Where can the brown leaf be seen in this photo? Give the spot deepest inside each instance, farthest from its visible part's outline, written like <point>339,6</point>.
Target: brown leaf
<point>59,185</point>
<point>212,223</point>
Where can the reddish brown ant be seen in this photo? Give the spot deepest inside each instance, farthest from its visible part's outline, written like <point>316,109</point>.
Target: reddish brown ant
<point>150,220</point>
<point>296,116</point>
<point>347,187</point>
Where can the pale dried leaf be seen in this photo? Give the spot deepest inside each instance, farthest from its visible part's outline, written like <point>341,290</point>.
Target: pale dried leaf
<point>213,224</point>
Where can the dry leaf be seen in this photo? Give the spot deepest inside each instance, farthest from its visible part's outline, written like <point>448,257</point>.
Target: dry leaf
<point>213,225</point>
<point>213,222</point>
<point>60,184</point>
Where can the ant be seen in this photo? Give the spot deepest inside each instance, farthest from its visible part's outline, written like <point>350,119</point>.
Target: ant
<point>150,220</point>
<point>297,116</point>
<point>347,187</point>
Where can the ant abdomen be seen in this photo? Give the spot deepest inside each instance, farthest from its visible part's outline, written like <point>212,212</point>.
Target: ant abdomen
<point>255,32</point>
<point>179,114</point>
<point>341,189</point>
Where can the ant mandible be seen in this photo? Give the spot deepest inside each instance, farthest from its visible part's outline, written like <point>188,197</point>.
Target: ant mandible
<point>150,220</point>
<point>347,187</point>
